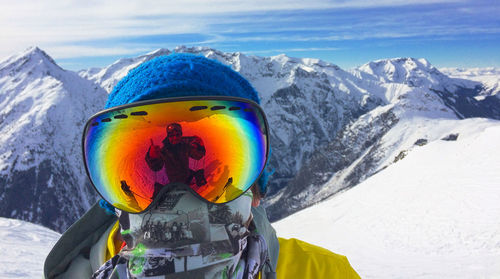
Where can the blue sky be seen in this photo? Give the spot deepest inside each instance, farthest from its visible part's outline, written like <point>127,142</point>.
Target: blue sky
<point>83,34</point>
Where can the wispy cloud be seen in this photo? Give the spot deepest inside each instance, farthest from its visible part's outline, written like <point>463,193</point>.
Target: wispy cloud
<point>65,21</point>
<point>71,29</point>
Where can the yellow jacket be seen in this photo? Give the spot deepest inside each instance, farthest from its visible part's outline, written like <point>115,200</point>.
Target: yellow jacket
<point>299,259</point>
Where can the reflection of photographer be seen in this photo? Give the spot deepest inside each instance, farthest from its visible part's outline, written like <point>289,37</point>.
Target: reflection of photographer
<point>174,157</point>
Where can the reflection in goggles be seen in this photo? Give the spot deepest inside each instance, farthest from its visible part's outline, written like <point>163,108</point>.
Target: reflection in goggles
<point>217,150</point>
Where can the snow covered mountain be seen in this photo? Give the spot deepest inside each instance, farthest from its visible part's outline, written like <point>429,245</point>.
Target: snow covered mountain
<point>326,123</point>
<point>24,248</point>
<point>43,109</point>
<point>410,89</point>
<point>109,76</point>
<point>434,214</point>
<point>466,98</point>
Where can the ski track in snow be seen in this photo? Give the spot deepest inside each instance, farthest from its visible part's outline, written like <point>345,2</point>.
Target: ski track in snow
<point>434,214</point>
<point>24,247</point>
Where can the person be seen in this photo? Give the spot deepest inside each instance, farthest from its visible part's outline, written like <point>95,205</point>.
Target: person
<point>174,156</point>
<point>232,237</point>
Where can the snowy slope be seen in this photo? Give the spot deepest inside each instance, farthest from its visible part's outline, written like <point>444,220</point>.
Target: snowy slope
<point>362,148</point>
<point>43,109</point>
<point>411,89</point>
<point>109,76</point>
<point>24,248</point>
<point>433,214</point>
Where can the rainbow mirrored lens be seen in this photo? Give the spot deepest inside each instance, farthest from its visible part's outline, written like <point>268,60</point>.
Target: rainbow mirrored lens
<point>216,147</point>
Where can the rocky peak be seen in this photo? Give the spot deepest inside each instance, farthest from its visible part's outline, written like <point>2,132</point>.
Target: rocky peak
<point>411,71</point>
<point>29,61</point>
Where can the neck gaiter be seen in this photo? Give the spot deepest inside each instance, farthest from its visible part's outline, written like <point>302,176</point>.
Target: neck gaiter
<point>184,237</point>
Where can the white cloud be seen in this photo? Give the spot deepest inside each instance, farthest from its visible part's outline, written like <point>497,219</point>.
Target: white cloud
<point>54,23</point>
<point>120,9</point>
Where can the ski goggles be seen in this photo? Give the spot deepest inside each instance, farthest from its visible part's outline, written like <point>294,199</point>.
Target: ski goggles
<point>217,147</point>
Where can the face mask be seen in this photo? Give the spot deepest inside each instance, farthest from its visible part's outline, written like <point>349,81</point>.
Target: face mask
<point>184,236</point>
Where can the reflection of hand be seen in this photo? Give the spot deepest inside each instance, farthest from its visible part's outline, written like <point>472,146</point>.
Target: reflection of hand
<point>154,151</point>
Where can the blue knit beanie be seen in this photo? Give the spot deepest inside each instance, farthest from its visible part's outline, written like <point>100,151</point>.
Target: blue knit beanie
<point>179,75</point>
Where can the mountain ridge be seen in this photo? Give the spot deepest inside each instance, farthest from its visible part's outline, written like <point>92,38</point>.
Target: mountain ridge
<point>43,109</point>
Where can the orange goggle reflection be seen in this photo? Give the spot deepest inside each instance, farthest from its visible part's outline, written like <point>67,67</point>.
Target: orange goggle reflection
<point>216,147</point>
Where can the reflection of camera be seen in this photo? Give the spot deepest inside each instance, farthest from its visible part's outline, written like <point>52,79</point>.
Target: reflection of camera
<point>199,176</point>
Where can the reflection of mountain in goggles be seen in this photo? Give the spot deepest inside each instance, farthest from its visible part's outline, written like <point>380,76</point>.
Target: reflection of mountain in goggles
<point>219,149</point>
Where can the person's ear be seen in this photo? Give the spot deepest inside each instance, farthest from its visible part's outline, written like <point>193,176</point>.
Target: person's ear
<point>256,195</point>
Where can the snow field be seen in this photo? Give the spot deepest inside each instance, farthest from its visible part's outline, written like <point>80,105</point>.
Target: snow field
<point>24,247</point>
<point>434,214</point>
